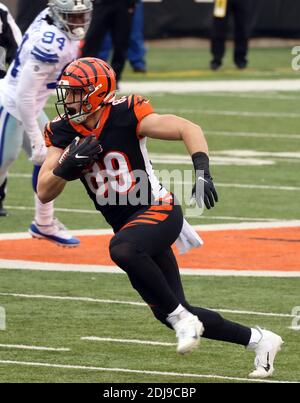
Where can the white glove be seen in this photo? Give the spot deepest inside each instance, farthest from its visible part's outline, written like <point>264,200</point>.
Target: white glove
<point>39,152</point>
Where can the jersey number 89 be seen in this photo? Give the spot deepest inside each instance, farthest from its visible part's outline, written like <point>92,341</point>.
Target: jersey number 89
<point>116,172</point>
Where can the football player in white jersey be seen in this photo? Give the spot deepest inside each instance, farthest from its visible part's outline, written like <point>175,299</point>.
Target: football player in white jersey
<point>10,39</point>
<point>49,44</point>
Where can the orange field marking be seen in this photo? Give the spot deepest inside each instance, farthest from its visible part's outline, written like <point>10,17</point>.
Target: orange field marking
<point>274,249</point>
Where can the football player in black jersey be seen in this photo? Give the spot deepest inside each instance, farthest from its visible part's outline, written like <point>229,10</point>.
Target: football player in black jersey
<point>101,140</point>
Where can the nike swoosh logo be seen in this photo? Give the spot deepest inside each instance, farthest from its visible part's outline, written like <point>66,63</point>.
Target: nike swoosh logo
<point>202,179</point>
<point>80,156</point>
<point>268,367</point>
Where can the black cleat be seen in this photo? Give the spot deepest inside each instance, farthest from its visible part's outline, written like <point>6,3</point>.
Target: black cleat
<point>215,65</point>
<point>139,70</point>
<point>242,64</point>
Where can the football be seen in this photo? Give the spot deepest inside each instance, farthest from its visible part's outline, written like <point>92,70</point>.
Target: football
<point>64,155</point>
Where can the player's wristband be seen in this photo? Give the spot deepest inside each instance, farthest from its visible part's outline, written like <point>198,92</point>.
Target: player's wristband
<point>201,162</point>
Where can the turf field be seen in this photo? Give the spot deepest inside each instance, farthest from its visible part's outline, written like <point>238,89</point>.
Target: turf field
<point>254,140</point>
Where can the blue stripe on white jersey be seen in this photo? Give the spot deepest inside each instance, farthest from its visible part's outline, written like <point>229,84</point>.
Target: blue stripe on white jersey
<point>44,57</point>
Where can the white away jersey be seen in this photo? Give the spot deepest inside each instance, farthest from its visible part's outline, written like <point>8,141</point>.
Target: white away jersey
<point>40,59</point>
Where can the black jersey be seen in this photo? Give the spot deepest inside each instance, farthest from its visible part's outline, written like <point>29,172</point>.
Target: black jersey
<point>123,159</point>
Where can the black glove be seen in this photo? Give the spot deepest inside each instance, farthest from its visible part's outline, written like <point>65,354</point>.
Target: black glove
<point>201,163</point>
<point>77,157</point>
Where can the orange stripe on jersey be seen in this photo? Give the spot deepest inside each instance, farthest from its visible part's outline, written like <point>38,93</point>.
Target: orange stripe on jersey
<point>163,207</point>
<point>47,133</point>
<point>97,131</point>
<point>136,222</point>
<point>154,215</point>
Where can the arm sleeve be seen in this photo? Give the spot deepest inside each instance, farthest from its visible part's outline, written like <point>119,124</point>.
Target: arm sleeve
<point>142,108</point>
<point>31,81</point>
<point>50,139</point>
<point>58,133</point>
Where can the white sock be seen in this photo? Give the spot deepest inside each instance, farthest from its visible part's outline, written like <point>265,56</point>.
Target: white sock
<point>179,313</point>
<point>255,336</point>
<point>44,213</point>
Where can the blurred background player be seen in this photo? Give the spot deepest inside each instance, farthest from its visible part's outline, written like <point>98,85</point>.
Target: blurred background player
<point>241,12</point>
<point>10,38</point>
<point>136,51</point>
<point>47,46</point>
<point>114,16</point>
<point>27,10</point>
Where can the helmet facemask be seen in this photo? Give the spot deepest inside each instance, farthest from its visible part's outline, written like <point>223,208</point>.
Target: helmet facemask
<point>72,18</point>
<point>76,109</point>
<point>68,110</point>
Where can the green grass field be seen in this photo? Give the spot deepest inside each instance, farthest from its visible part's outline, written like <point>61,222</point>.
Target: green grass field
<point>267,124</point>
<point>192,63</point>
<point>63,323</point>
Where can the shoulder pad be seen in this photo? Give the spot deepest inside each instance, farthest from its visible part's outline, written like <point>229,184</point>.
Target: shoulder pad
<point>59,133</point>
<point>141,106</point>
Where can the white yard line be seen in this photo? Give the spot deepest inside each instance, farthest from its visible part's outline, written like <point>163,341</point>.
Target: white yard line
<point>247,226</point>
<point>235,185</point>
<point>245,153</point>
<point>134,371</point>
<point>259,187</point>
<point>246,186</point>
<point>253,134</point>
<point>79,268</point>
<point>95,212</point>
<point>274,96</point>
<point>130,341</point>
<point>200,227</point>
<point>83,232</point>
<point>190,86</point>
<point>230,157</point>
<point>296,328</point>
<point>23,347</point>
<point>77,299</point>
<point>232,218</point>
<point>142,304</point>
<point>62,210</point>
<point>19,175</point>
<point>216,112</point>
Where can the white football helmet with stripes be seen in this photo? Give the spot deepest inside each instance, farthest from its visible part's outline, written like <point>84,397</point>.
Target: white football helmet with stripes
<point>71,16</point>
